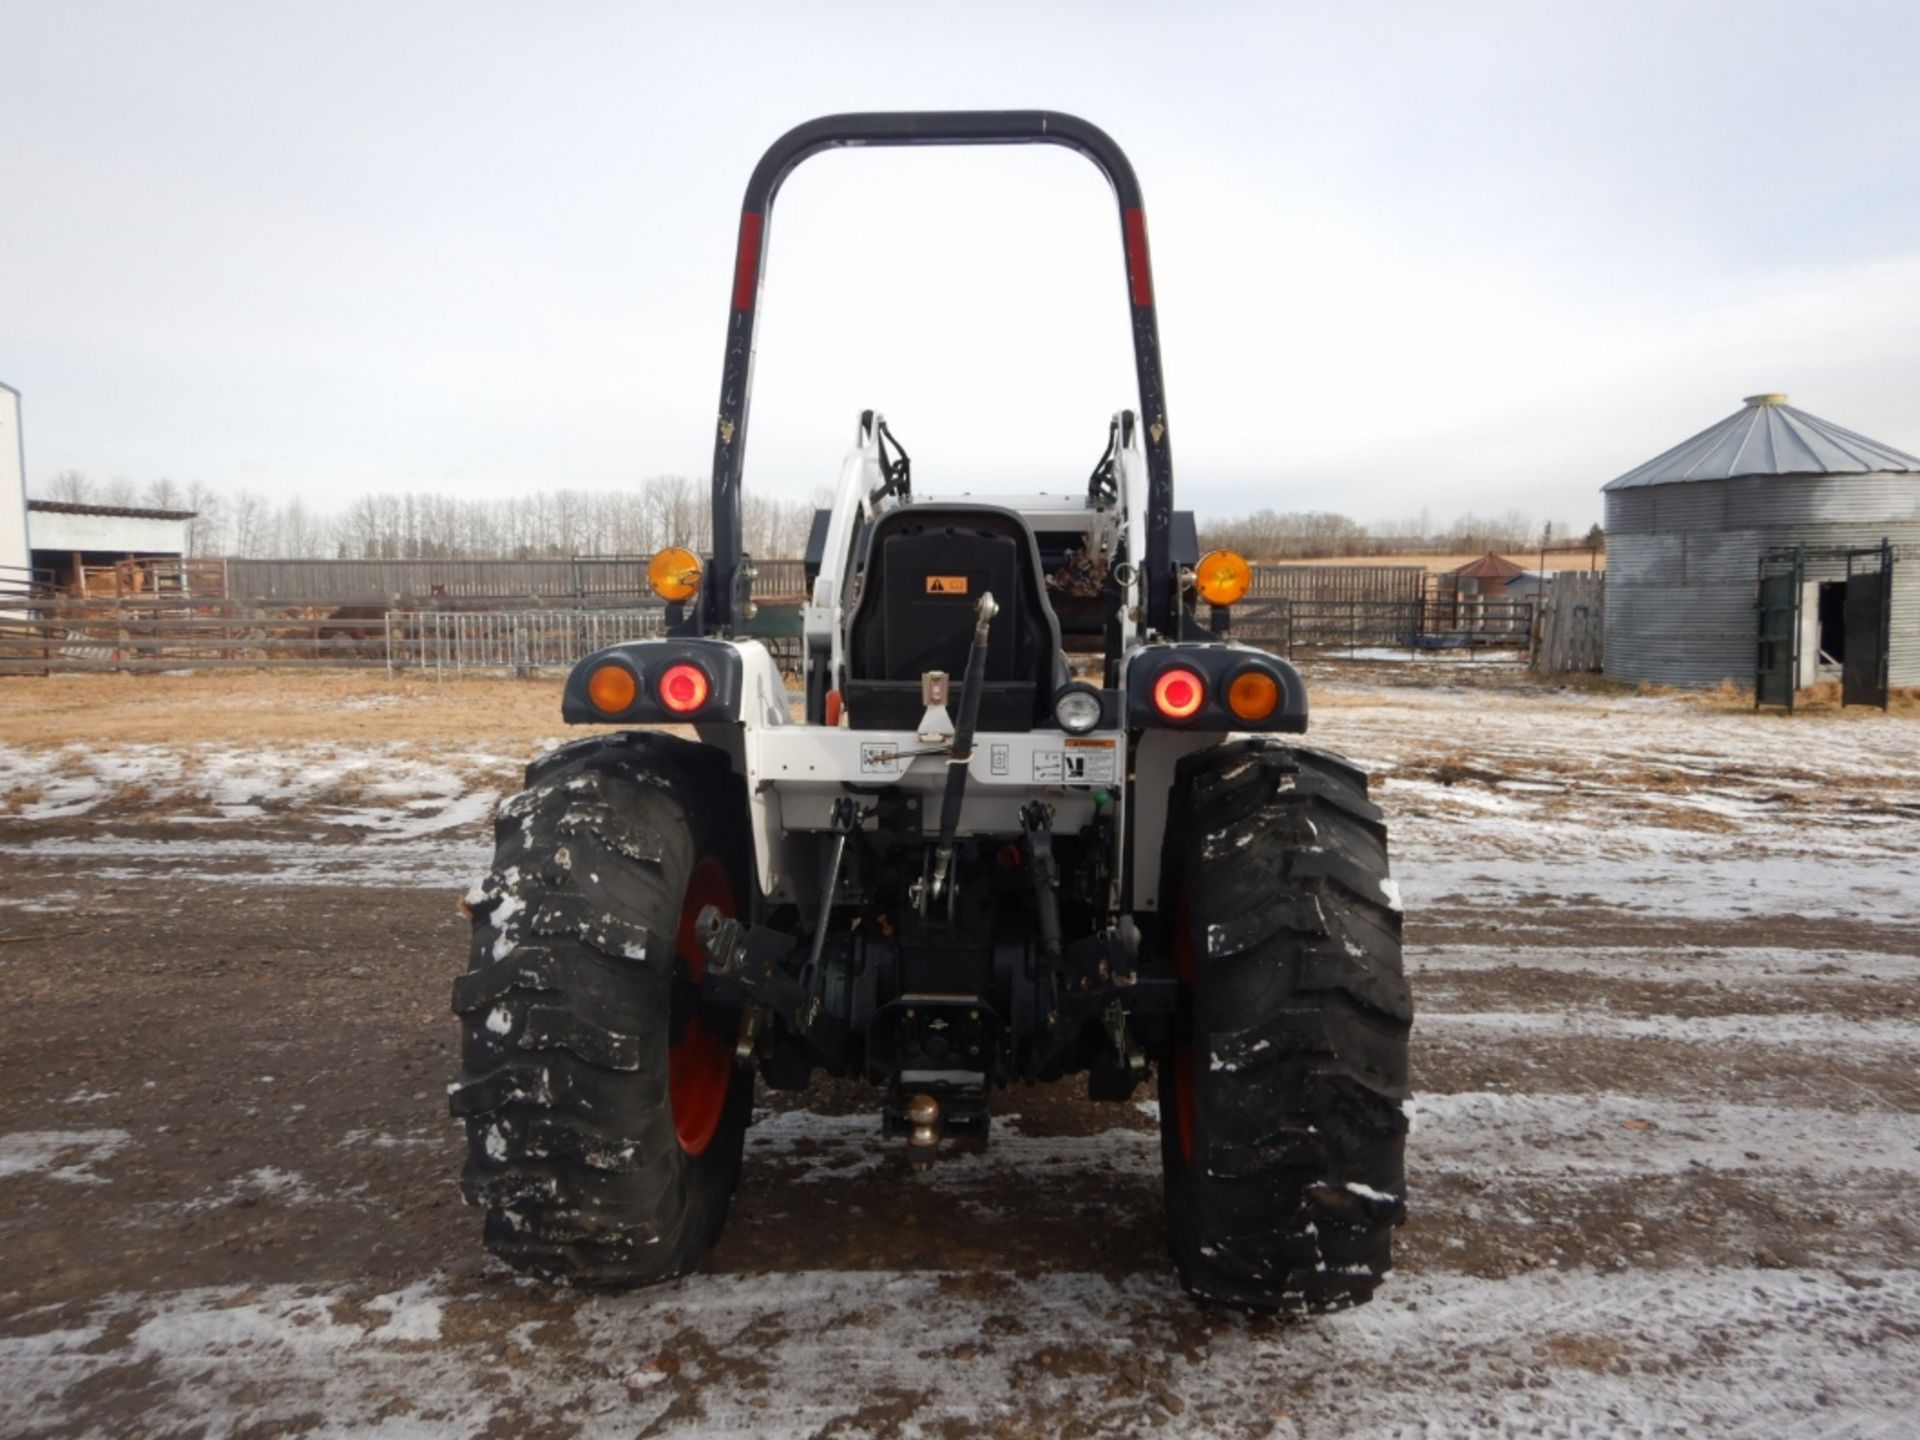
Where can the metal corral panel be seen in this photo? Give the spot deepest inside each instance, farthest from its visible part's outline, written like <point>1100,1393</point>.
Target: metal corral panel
<point>1682,561</point>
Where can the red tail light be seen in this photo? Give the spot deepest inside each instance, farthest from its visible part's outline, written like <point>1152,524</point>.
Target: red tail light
<point>682,688</point>
<point>1179,693</point>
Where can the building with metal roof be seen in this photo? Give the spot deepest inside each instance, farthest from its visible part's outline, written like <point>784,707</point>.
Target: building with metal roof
<point>69,540</point>
<point>1769,494</point>
<point>1488,567</point>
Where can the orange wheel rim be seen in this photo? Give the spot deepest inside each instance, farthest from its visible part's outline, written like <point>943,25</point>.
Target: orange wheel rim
<point>700,1062</point>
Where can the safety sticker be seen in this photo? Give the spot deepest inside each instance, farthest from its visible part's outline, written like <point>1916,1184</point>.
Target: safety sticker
<point>1090,762</point>
<point>946,584</point>
<point>1047,766</point>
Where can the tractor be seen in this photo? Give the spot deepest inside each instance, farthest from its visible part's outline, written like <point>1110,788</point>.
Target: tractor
<point>1031,815</point>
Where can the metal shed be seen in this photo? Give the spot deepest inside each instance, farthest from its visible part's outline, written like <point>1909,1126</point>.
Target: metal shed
<point>1769,493</point>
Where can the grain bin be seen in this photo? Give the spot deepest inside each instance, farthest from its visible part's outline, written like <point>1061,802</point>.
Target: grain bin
<point>1690,531</point>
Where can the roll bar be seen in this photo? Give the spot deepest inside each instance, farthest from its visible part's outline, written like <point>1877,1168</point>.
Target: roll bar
<point>725,593</point>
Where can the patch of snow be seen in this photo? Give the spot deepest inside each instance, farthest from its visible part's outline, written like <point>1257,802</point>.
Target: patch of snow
<point>1757,965</point>
<point>267,1182</point>
<point>1801,1028</point>
<point>1496,1133</point>
<point>34,1152</point>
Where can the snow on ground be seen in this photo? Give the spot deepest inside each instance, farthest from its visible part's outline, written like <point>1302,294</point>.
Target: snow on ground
<point>1654,804</point>
<point>1631,852</point>
<point>1756,965</point>
<point>1728,1351</point>
<point>447,862</point>
<point>388,791</point>
<point>67,1155</point>
<point>1474,1133</point>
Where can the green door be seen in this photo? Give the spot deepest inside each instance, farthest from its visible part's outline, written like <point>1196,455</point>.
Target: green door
<point>1779,611</point>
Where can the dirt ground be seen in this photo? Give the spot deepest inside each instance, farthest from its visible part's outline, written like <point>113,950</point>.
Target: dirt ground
<point>1666,955</point>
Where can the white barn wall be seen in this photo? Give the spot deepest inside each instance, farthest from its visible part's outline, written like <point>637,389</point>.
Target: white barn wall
<point>13,483</point>
<point>113,534</point>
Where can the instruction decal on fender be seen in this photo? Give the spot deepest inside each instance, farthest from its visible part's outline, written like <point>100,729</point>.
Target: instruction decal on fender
<point>880,757</point>
<point>946,584</point>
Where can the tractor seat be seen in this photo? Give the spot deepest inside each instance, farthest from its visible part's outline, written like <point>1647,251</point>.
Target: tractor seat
<point>926,567</point>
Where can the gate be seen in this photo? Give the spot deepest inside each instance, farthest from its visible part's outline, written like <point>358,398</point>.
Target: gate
<point>1868,617</point>
<point>1776,672</point>
<point>1858,633</point>
<point>456,641</point>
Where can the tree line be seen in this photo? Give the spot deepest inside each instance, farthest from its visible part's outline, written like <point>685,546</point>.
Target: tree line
<point>415,525</point>
<point>673,510</point>
<point>1321,534</point>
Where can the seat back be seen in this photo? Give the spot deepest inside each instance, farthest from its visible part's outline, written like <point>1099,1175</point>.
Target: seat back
<point>926,567</point>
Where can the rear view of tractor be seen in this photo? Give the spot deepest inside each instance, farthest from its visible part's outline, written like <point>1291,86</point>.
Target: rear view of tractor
<point>1036,818</point>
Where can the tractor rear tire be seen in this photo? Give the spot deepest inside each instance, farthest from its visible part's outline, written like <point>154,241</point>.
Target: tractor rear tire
<point>1282,1134</point>
<point>605,1114</point>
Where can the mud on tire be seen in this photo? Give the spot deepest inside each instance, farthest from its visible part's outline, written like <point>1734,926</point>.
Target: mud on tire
<point>604,1114</point>
<point>1282,1133</point>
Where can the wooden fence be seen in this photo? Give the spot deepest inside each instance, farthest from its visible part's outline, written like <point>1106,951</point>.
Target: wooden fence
<point>1573,624</point>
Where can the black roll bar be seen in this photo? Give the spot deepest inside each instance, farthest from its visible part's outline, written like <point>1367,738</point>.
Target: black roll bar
<point>724,594</point>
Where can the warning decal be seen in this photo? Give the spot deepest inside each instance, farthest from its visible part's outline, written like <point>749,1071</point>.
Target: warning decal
<point>946,584</point>
<point>1090,762</point>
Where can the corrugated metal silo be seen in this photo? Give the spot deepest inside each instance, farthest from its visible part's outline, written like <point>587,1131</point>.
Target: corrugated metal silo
<point>1686,532</point>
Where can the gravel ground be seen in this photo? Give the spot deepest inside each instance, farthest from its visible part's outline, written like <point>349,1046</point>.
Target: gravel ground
<point>1667,963</point>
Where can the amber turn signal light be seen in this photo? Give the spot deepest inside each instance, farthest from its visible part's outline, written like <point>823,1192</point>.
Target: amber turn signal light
<point>1179,693</point>
<point>1253,695</point>
<point>1222,577</point>
<point>612,688</point>
<point>674,573</point>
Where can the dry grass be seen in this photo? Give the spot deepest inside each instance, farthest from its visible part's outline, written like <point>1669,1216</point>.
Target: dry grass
<point>12,802</point>
<point>1821,698</point>
<point>261,707</point>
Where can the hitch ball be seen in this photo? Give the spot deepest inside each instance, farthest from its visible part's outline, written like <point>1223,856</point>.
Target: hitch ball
<point>924,1113</point>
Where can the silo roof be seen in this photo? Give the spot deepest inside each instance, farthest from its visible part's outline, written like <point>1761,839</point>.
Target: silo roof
<point>1767,436</point>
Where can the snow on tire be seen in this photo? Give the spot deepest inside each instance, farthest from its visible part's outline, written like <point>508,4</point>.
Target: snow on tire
<point>1282,1132</point>
<point>605,1116</point>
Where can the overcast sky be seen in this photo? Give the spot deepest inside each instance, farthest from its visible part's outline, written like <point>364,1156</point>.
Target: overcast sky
<point>1409,255</point>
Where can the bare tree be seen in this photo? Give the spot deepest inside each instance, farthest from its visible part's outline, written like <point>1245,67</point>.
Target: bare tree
<point>206,530</point>
<point>75,487</point>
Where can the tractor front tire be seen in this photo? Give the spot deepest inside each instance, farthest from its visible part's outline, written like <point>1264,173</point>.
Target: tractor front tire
<point>605,1114</point>
<point>1282,1133</point>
